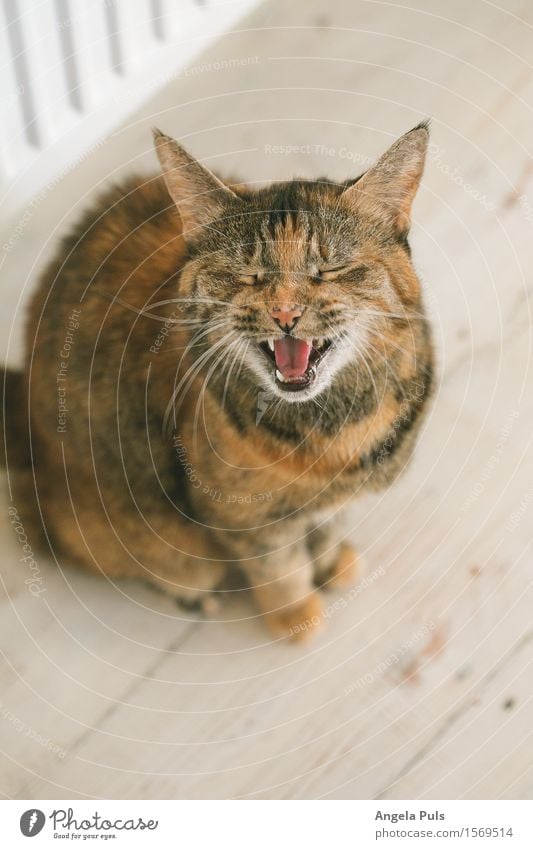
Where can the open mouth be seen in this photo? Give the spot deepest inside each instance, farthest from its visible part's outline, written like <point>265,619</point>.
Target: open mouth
<point>295,361</point>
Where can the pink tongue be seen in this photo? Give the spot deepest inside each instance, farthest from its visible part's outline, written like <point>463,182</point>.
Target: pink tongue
<point>292,356</point>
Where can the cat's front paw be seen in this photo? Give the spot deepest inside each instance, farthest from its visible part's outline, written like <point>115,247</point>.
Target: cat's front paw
<point>343,573</point>
<point>297,622</point>
<point>346,569</point>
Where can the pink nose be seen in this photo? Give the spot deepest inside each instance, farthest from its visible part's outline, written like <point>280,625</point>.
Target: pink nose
<point>286,315</point>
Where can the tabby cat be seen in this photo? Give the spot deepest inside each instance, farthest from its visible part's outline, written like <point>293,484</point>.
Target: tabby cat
<point>214,372</point>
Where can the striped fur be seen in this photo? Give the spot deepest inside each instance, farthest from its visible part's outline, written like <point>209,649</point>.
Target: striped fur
<point>179,456</point>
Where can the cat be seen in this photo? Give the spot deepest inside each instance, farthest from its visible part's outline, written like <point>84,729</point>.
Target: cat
<point>214,372</point>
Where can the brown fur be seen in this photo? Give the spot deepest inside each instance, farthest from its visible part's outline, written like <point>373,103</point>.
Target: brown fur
<point>144,481</point>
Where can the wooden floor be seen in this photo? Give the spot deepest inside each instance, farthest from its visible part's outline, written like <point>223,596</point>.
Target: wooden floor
<point>421,686</point>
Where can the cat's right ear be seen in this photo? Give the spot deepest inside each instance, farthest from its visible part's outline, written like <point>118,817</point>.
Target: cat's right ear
<point>199,195</point>
<point>387,190</point>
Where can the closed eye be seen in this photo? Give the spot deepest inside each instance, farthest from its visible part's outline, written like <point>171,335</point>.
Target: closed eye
<point>251,279</point>
<point>331,272</point>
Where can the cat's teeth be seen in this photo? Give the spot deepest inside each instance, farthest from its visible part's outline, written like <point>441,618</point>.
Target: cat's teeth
<point>271,344</point>
<point>280,376</point>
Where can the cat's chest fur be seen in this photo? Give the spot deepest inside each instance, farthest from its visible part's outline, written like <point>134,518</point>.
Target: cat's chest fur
<point>230,473</point>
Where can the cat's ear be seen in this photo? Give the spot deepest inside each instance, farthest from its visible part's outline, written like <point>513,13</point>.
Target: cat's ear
<point>387,190</point>
<point>199,195</point>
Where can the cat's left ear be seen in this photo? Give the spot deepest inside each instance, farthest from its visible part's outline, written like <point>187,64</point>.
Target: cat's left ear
<point>387,190</point>
<point>199,195</point>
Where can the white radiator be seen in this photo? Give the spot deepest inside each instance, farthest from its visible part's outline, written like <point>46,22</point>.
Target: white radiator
<point>64,62</point>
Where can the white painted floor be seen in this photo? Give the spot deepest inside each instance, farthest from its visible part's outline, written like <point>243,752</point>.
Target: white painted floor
<point>421,687</point>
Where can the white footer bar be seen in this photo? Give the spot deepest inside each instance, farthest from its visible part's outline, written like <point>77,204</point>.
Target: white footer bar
<point>268,824</point>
